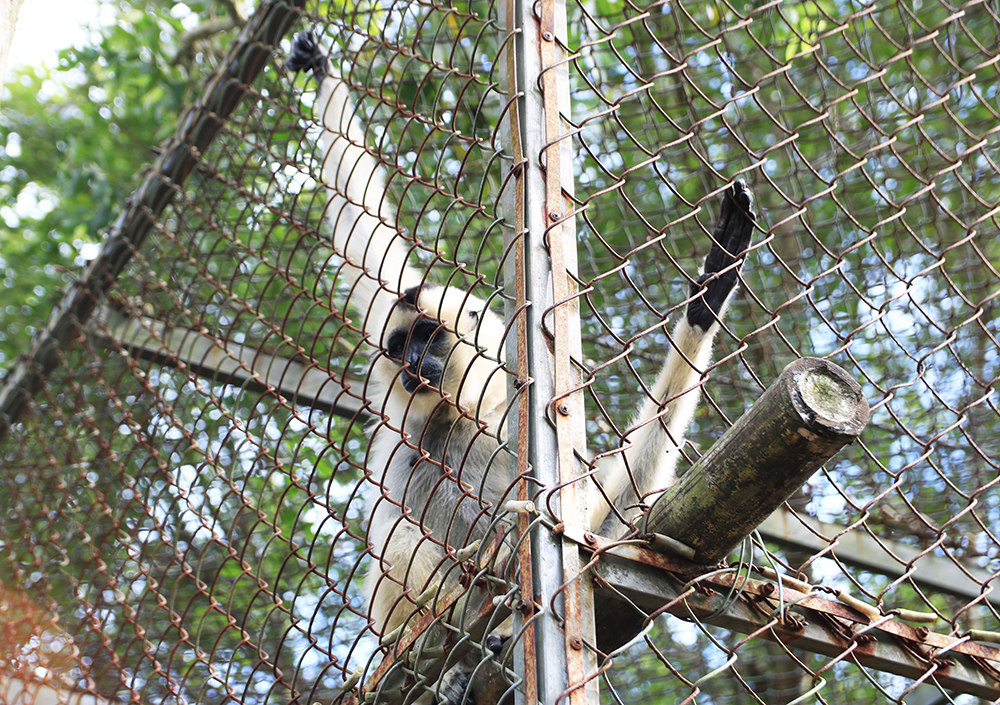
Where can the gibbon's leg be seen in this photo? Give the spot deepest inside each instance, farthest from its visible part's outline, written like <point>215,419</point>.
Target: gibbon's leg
<point>408,558</point>
<point>652,448</point>
<point>472,681</point>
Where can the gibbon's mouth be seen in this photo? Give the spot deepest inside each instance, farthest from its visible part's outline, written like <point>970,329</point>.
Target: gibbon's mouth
<point>423,377</point>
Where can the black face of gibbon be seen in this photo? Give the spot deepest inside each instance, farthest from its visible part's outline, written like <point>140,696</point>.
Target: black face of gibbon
<point>421,351</point>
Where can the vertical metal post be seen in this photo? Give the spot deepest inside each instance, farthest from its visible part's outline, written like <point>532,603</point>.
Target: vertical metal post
<point>557,600</point>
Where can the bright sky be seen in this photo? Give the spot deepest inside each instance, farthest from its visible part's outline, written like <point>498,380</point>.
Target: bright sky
<point>46,26</point>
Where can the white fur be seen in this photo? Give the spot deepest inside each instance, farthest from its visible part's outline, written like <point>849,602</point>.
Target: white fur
<point>361,216</point>
<point>652,446</point>
<point>469,414</point>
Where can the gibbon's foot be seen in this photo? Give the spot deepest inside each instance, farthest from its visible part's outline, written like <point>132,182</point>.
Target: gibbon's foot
<point>306,55</point>
<point>454,689</point>
<point>495,642</point>
<point>471,682</point>
<point>729,241</point>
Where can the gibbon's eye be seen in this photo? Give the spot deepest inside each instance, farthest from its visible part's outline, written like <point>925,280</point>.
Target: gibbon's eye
<point>394,346</point>
<point>475,315</point>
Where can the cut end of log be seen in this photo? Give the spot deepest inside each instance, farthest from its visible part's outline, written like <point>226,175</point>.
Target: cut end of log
<point>827,398</point>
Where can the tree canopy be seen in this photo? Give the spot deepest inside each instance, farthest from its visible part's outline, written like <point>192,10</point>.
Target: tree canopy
<point>76,133</point>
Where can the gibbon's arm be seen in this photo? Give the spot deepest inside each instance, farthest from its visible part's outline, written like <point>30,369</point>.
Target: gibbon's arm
<point>647,465</point>
<point>434,468</point>
<point>358,209</point>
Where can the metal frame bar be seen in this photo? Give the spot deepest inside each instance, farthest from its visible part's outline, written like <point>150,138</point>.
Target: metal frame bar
<point>197,128</point>
<point>226,362</point>
<point>549,421</point>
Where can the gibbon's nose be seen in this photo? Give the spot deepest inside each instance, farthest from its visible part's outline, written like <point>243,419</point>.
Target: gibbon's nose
<point>420,363</point>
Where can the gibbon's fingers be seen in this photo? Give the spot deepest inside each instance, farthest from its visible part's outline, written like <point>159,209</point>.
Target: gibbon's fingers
<point>305,55</point>
<point>729,240</point>
<point>732,233</point>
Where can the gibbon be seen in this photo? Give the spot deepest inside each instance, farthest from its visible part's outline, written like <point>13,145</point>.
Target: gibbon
<point>437,472</point>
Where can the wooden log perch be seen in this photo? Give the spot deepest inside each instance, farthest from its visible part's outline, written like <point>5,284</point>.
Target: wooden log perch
<point>812,410</point>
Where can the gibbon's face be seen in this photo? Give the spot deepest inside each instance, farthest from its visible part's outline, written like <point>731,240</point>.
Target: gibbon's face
<point>421,350</point>
<point>438,338</point>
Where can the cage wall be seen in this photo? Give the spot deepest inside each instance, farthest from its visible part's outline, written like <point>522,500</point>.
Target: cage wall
<point>189,495</point>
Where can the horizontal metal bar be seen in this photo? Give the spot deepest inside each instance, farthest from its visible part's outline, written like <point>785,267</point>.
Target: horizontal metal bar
<point>226,362</point>
<point>861,550</point>
<point>824,627</point>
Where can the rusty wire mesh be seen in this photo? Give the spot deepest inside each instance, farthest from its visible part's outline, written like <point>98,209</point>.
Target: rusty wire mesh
<point>186,496</point>
<point>869,134</point>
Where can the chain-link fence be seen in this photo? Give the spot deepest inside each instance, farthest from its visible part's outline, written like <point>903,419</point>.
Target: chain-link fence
<point>233,473</point>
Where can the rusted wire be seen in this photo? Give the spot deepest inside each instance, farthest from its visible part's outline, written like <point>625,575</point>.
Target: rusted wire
<point>189,472</point>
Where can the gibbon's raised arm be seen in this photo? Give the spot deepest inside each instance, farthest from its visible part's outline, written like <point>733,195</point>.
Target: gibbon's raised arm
<point>358,210</point>
<point>652,446</point>
<point>436,468</point>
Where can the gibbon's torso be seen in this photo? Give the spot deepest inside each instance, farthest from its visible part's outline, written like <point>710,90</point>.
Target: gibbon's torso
<point>436,454</point>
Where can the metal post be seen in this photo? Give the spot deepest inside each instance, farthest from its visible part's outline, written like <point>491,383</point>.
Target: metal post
<point>557,600</point>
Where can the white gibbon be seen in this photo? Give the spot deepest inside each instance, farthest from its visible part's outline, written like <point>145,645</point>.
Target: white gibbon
<point>437,472</point>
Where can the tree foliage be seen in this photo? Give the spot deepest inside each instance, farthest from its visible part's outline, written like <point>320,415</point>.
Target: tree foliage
<point>76,134</point>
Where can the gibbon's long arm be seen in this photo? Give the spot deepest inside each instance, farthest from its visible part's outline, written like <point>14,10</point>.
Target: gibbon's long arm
<point>436,472</point>
<point>653,445</point>
<point>358,210</point>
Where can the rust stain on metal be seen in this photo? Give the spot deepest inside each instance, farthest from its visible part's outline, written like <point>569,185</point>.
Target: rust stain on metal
<point>525,607</point>
<point>766,590</point>
<point>568,402</point>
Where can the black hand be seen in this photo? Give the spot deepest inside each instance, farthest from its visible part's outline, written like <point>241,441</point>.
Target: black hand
<point>730,239</point>
<point>306,55</point>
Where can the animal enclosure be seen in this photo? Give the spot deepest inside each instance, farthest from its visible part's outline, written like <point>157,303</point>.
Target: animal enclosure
<point>187,467</point>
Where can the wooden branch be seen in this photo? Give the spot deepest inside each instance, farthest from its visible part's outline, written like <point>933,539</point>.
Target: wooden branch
<point>232,10</point>
<point>206,29</point>
<point>812,411</point>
